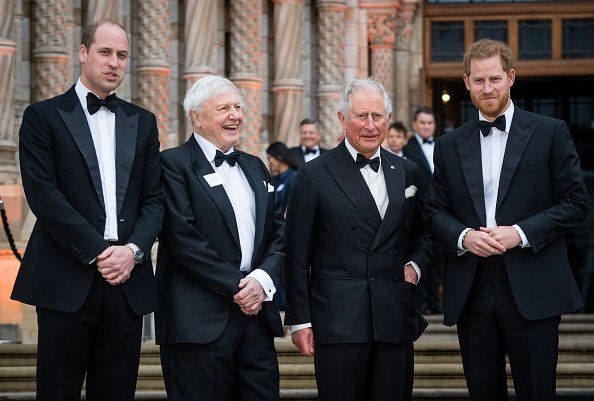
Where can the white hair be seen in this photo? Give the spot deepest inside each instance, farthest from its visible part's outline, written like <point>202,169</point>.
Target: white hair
<point>358,84</point>
<point>206,88</point>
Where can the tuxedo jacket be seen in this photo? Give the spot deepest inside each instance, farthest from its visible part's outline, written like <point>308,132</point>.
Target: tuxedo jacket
<point>541,189</point>
<point>344,268</point>
<point>413,151</point>
<point>199,252</point>
<point>300,157</point>
<point>62,183</point>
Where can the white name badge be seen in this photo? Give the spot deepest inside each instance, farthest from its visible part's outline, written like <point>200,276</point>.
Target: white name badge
<point>214,179</point>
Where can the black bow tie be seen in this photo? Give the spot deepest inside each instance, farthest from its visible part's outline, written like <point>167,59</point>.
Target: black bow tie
<point>429,141</point>
<point>231,158</point>
<point>362,161</point>
<point>310,150</point>
<point>485,126</point>
<point>94,103</point>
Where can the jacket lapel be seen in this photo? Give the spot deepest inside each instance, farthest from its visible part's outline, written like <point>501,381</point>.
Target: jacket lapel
<point>126,132</point>
<point>217,193</point>
<point>250,168</point>
<point>469,147</point>
<point>73,116</point>
<point>519,135</point>
<point>342,167</point>
<point>416,149</point>
<point>394,177</point>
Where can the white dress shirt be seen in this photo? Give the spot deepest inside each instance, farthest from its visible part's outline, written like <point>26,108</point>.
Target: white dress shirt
<point>427,149</point>
<point>102,126</point>
<point>243,201</point>
<point>312,155</point>
<point>492,153</point>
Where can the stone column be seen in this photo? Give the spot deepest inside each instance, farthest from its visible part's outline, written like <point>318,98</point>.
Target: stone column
<point>153,68</point>
<point>101,9</point>
<point>404,31</point>
<point>245,61</point>
<point>330,67</point>
<point>382,31</point>
<point>8,144</point>
<point>200,26</point>
<point>51,55</point>
<point>288,82</point>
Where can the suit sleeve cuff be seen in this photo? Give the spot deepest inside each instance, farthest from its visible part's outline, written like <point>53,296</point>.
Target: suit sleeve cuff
<point>524,243</point>
<point>416,267</point>
<point>461,250</point>
<point>297,327</point>
<point>265,281</point>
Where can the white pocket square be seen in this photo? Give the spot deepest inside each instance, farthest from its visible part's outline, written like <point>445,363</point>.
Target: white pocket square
<point>270,188</point>
<point>410,191</point>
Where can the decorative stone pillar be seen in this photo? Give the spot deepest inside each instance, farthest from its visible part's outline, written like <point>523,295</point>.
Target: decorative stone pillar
<point>288,83</point>
<point>101,9</point>
<point>245,62</point>
<point>330,67</point>
<point>404,31</point>
<point>8,143</point>
<point>200,26</point>
<point>153,69</point>
<point>382,31</point>
<point>50,55</point>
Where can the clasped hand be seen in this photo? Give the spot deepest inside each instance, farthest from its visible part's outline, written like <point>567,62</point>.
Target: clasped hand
<point>116,263</point>
<point>489,241</point>
<point>250,296</point>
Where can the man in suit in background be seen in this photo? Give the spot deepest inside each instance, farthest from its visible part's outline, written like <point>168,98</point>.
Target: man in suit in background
<point>356,238</point>
<point>420,150</point>
<point>310,142</point>
<point>90,169</point>
<point>220,259</point>
<point>396,139</point>
<point>507,187</point>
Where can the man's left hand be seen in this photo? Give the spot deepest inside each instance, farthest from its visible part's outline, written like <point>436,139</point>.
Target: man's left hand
<point>506,235</point>
<point>250,296</point>
<point>410,274</point>
<point>116,263</point>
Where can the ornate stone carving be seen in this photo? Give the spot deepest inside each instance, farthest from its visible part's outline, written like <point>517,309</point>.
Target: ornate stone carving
<point>288,84</point>
<point>200,28</point>
<point>404,24</point>
<point>102,9</point>
<point>381,27</point>
<point>330,66</point>
<point>381,24</point>
<point>245,66</point>
<point>153,68</point>
<point>404,32</point>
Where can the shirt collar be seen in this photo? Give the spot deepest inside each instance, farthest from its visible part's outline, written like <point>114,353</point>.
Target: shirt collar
<point>420,138</point>
<point>315,148</point>
<point>208,147</point>
<point>82,91</point>
<point>354,153</point>
<point>509,114</point>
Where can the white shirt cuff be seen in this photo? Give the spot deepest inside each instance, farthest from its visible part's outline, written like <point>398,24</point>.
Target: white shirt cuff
<point>265,281</point>
<point>461,250</point>
<point>416,267</point>
<point>524,243</point>
<point>297,327</point>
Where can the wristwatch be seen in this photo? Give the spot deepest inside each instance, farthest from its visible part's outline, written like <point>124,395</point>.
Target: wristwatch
<point>138,254</point>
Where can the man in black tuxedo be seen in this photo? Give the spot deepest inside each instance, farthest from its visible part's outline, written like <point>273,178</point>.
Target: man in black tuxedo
<point>90,169</point>
<point>507,187</point>
<point>420,150</point>
<point>309,137</point>
<point>356,238</point>
<point>220,259</point>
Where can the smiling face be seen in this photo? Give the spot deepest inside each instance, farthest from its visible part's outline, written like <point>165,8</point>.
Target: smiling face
<point>220,119</point>
<point>489,86</point>
<point>309,135</point>
<point>103,64</point>
<point>366,124</point>
<point>396,140</point>
<point>424,125</point>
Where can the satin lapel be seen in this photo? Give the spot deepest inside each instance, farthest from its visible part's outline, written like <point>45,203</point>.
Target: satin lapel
<point>74,117</point>
<point>202,167</point>
<point>517,140</point>
<point>126,132</point>
<point>348,177</point>
<point>419,155</point>
<point>469,148</point>
<point>394,176</point>
<point>250,169</point>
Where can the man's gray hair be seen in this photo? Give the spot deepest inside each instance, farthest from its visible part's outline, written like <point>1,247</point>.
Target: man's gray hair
<point>206,88</point>
<point>358,84</point>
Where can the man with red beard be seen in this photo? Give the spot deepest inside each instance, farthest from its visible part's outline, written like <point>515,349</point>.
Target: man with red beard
<point>506,188</point>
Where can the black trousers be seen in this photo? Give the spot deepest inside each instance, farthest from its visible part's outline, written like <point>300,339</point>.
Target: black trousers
<point>241,365</point>
<point>490,326</point>
<point>364,372</point>
<point>101,341</point>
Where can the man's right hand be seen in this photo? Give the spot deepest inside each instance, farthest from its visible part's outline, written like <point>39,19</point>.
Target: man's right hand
<point>481,244</point>
<point>304,341</point>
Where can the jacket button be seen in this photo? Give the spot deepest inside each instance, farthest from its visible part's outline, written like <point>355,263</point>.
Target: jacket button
<point>353,227</point>
<point>372,279</point>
